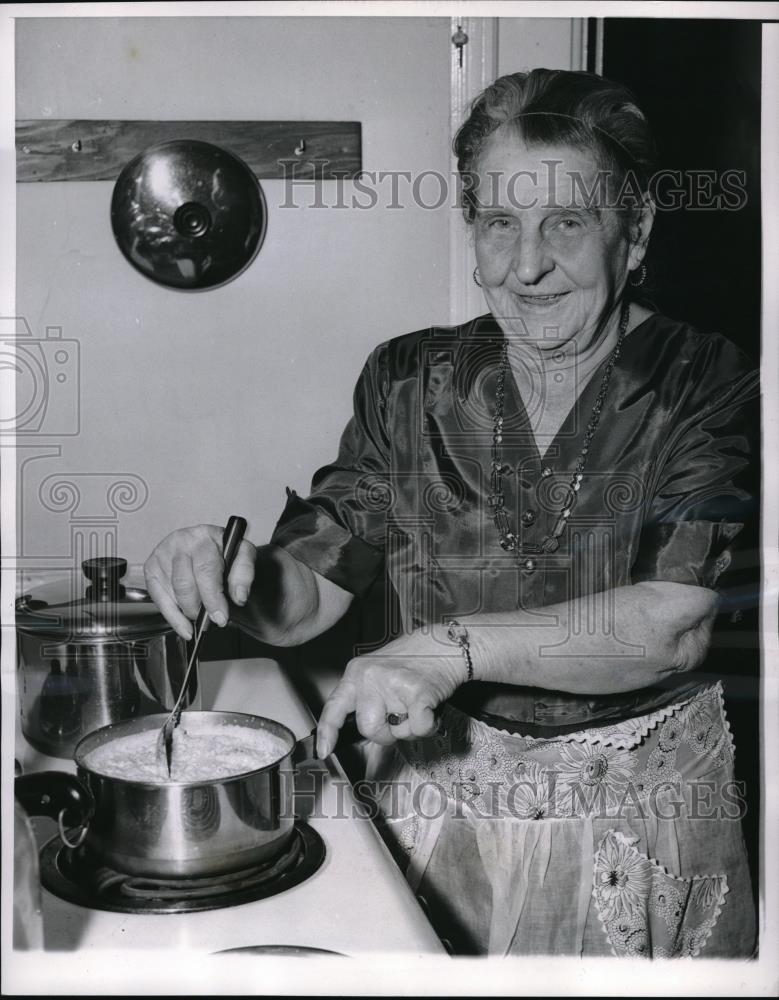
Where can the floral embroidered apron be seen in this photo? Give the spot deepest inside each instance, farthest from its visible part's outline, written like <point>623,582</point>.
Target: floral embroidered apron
<point>619,840</point>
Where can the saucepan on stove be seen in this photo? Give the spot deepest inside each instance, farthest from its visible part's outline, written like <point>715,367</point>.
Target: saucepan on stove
<point>93,651</point>
<point>131,817</point>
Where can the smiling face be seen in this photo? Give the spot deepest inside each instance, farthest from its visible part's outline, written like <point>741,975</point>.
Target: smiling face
<point>553,260</point>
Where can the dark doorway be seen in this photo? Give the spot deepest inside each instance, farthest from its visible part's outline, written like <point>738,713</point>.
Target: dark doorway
<point>699,83</point>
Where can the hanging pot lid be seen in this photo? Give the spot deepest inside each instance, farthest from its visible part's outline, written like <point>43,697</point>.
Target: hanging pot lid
<point>93,607</point>
<point>188,214</point>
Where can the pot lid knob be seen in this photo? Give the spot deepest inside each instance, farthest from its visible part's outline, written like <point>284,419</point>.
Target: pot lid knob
<point>104,573</point>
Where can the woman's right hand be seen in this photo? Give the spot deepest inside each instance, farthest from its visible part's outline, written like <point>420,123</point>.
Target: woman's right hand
<point>186,570</point>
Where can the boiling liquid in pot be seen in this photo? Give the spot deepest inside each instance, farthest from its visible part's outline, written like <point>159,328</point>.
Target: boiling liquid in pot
<point>205,755</point>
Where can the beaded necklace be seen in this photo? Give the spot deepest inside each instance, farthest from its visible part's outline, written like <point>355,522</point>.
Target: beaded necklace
<point>551,542</point>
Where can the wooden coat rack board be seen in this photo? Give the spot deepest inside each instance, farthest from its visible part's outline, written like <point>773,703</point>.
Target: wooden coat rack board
<point>90,150</point>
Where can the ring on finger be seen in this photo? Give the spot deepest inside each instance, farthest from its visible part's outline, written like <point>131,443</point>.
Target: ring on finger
<point>396,718</point>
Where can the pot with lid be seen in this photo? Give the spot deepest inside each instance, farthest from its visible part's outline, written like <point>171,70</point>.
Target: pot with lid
<point>93,652</point>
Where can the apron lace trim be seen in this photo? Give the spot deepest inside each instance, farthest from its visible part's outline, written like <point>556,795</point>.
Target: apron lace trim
<point>621,735</point>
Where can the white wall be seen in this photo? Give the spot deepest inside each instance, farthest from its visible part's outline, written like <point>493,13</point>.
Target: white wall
<point>551,42</point>
<point>217,400</point>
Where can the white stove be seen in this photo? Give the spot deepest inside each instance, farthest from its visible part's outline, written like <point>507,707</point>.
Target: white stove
<point>357,903</point>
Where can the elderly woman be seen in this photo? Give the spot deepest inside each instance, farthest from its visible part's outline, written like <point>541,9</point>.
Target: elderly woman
<point>553,490</point>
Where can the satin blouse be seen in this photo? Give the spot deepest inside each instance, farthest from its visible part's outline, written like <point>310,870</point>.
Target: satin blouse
<point>667,491</point>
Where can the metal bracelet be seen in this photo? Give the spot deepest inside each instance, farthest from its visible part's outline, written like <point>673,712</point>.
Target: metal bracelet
<point>458,634</point>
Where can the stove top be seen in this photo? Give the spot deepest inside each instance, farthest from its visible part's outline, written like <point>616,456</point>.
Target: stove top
<point>76,877</point>
<point>357,882</point>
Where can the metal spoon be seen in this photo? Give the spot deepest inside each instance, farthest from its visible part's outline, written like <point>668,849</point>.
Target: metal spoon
<point>231,541</point>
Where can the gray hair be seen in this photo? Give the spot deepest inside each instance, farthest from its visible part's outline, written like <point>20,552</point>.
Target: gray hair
<point>562,108</point>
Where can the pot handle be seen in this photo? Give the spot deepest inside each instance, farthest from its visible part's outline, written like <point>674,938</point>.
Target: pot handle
<point>305,748</point>
<point>55,794</point>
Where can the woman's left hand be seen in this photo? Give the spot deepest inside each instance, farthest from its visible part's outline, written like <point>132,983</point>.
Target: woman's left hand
<point>409,677</point>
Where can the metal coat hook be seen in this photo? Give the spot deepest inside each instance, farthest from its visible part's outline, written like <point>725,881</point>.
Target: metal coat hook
<point>460,40</point>
<point>300,148</point>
